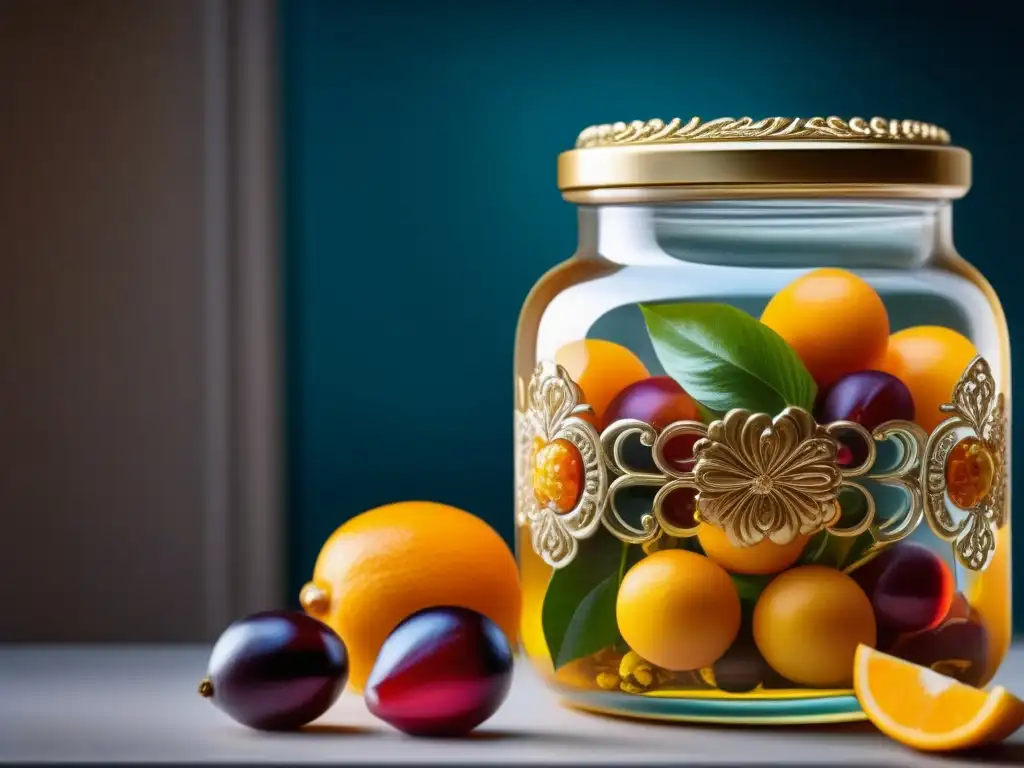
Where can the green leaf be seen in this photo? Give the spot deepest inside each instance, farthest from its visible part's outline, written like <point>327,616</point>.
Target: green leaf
<point>749,587</point>
<point>725,359</point>
<point>815,549</point>
<point>592,626</point>
<point>860,548</point>
<point>837,552</point>
<point>578,615</point>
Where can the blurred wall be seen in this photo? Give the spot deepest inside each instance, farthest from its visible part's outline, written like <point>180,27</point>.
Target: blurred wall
<point>101,320</point>
<point>421,139</point>
<point>117,412</point>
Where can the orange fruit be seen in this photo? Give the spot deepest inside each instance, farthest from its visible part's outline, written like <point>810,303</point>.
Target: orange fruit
<point>390,562</point>
<point>920,708</point>
<point>834,321</point>
<point>761,558</point>
<point>808,623</point>
<point>678,610</point>
<point>930,360</point>
<point>602,369</point>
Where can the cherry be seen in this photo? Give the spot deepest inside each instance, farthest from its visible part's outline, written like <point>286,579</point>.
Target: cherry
<point>276,670</point>
<point>868,398</point>
<point>441,672</point>
<point>910,587</point>
<point>957,648</point>
<point>657,401</point>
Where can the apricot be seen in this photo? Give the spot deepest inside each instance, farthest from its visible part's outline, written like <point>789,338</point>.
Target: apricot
<point>761,558</point>
<point>602,369</point>
<point>834,321</point>
<point>678,610</point>
<point>930,360</point>
<point>808,623</point>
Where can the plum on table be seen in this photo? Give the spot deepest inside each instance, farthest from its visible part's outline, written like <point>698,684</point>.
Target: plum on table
<point>276,670</point>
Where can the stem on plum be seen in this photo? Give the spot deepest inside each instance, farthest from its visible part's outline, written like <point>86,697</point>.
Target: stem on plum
<point>206,688</point>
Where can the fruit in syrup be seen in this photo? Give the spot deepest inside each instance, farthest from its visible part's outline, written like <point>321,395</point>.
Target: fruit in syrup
<point>868,398</point>
<point>808,623</point>
<point>677,609</point>
<point>834,320</point>
<point>930,360</point>
<point>602,369</point>
<point>657,401</point>
<point>742,668</point>
<point>910,587</point>
<point>761,558</point>
<point>957,648</point>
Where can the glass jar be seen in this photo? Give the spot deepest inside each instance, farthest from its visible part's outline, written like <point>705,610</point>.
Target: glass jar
<point>761,418</point>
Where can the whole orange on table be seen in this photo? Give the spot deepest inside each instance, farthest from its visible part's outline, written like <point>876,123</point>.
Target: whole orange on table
<point>390,562</point>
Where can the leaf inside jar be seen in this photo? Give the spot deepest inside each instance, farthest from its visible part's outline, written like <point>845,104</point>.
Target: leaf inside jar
<point>726,359</point>
<point>578,615</point>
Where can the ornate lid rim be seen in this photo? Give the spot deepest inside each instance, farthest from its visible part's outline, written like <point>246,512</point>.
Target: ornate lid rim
<point>729,129</point>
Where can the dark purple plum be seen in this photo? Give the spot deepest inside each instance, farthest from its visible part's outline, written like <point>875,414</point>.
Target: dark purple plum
<point>441,672</point>
<point>868,398</point>
<point>742,668</point>
<point>958,648</point>
<point>910,588</point>
<point>658,401</point>
<point>276,670</point>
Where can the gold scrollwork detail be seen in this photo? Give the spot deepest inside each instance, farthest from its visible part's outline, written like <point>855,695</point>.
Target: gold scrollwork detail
<point>758,477</point>
<point>551,409</point>
<point>667,479</point>
<point>768,129</point>
<point>978,408</point>
<point>905,475</point>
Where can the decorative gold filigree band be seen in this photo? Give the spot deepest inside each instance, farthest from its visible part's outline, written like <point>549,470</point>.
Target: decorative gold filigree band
<point>832,128</point>
<point>758,477</point>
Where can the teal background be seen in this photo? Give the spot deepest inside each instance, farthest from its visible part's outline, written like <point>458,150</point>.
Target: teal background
<point>420,201</point>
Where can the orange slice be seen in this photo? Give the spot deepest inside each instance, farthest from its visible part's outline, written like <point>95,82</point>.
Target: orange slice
<point>919,707</point>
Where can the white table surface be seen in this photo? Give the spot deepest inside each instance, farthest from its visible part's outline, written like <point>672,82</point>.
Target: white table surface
<point>139,704</point>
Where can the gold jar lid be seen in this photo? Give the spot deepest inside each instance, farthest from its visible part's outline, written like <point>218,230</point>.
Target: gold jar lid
<point>658,161</point>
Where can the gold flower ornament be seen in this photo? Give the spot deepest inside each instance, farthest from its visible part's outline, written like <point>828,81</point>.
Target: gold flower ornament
<point>767,478</point>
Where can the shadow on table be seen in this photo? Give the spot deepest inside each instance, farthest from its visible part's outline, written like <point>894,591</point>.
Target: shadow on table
<point>1007,753</point>
<point>333,729</point>
<point>562,738</point>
